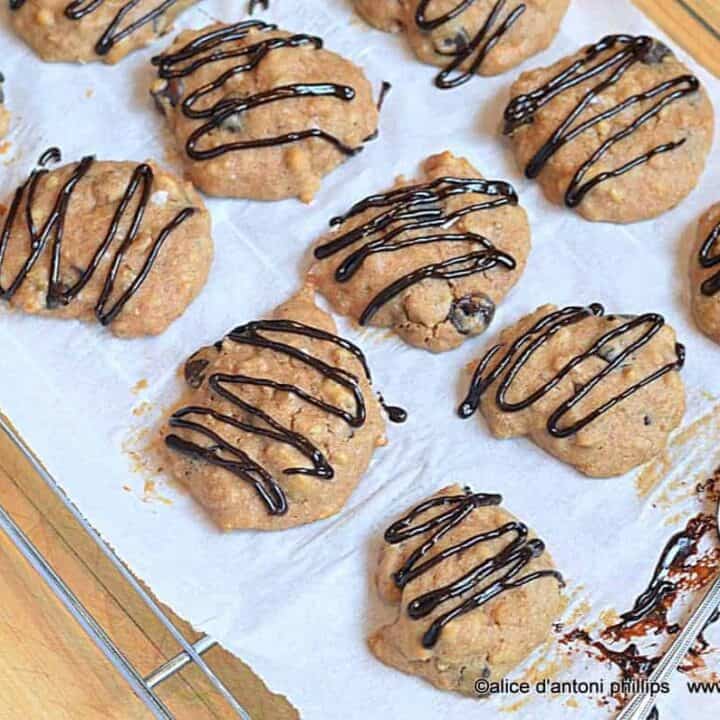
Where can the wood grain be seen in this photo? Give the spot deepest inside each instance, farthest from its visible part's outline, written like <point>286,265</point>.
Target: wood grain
<point>50,669</point>
<point>693,24</point>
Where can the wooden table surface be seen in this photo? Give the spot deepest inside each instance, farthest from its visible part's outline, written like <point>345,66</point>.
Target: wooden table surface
<point>48,668</point>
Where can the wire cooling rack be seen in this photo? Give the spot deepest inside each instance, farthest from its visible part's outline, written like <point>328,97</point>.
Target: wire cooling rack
<point>143,686</point>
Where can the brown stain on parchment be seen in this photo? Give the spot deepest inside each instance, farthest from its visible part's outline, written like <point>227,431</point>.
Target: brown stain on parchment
<point>654,474</point>
<point>139,386</point>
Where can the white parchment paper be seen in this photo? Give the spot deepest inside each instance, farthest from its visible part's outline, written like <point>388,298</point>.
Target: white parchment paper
<point>297,605</point>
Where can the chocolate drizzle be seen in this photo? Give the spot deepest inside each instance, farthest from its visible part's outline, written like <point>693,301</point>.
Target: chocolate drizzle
<point>495,575</point>
<point>114,33</point>
<point>522,349</point>
<point>50,236</point>
<point>474,49</point>
<point>221,44</point>
<point>711,285</point>
<point>605,70</point>
<point>254,4</point>
<point>233,458</point>
<point>682,566</point>
<point>419,207</point>
<point>651,607</point>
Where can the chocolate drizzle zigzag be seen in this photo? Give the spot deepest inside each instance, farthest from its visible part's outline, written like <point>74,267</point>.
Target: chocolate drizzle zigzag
<point>51,236</point>
<point>221,44</point>
<point>233,458</point>
<point>518,354</point>
<point>115,32</point>
<point>710,286</point>
<point>419,207</point>
<point>605,70</point>
<point>475,49</point>
<point>488,579</point>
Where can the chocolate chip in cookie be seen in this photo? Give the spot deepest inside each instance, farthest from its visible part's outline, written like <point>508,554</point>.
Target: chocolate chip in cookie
<point>279,421</point>
<point>619,131</point>
<point>580,384</point>
<point>455,565</point>
<point>244,134</point>
<point>483,37</point>
<point>78,31</point>
<point>430,259</point>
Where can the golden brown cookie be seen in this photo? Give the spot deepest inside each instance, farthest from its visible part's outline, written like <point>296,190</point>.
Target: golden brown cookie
<point>705,274</point>
<point>600,392</point>
<point>468,37</point>
<point>430,259</point>
<point>476,591</point>
<point>88,30</point>
<point>278,423</point>
<point>123,243</point>
<point>4,113</point>
<point>619,131</point>
<point>262,113</point>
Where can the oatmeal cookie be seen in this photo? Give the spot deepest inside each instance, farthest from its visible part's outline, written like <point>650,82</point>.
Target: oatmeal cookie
<point>430,260</point>
<point>705,274</point>
<point>122,243</point>
<point>620,131</point>
<point>262,113</point>
<point>600,392</point>
<point>87,30</point>
<point>475,589</point>
<point>468,37</point>
<point>278,423</point>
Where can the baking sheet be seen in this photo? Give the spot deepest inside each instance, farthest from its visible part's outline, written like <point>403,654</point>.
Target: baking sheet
<point>297,605</point>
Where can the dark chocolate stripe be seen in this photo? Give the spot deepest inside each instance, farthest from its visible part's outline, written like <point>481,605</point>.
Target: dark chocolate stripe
<point>114,33</point>
<point>219,45</point>
<point>466,49</point>
<point>500,570</point>
<point>708,260</point>
<point>607,70</point>
<point>254,4</point>
<point>232,457</point>
<point>522,349</point>
<point>51,235</point>
<point>417,207</point>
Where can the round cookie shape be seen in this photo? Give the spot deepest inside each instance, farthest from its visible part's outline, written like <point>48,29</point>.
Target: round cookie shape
<point>4,112</point>
<point>262,113</point>
<point>705,274</point>
<point>431,259</point>
<point>600,392</point>
<point>476,591</point>
<point>620,131</point>
<point>469,37</point>
<point>122,243</point>
<point>278,423</point>
<point>89,30</point>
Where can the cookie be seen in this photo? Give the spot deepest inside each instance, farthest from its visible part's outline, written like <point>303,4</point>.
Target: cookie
<point>475,589</point>
<point>430,259</point>
<point>262,113</point>
<point>468,37</point>
<point>619,131</point>
<point>87,30</point>
<point>705,274</point>
<point>125,244</point>
<point>600,392</point>
<point>4,113</point>
<point>278,423</point>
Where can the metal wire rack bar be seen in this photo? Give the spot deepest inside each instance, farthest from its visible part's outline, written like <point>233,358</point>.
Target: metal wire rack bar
<point>142,686</point>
